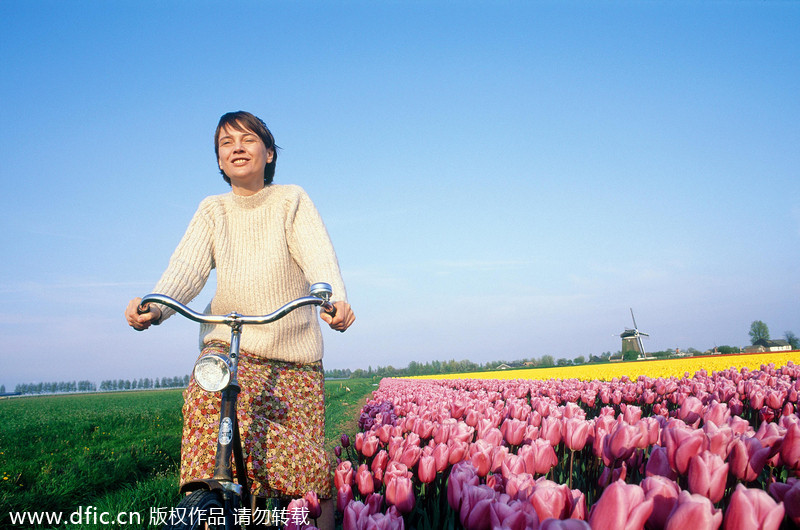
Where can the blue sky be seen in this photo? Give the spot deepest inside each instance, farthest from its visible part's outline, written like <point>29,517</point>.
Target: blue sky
<point>501,180</point>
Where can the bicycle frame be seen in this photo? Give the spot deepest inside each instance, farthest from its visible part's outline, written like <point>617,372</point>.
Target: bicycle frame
<point>229,444</point>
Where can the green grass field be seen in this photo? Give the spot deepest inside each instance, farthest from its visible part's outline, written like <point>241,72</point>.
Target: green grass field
<point>117,452</point>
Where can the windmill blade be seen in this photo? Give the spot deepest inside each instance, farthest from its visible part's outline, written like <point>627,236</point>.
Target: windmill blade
<point>634,319</point>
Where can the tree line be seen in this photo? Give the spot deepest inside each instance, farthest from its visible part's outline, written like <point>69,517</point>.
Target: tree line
<point>108,385</point>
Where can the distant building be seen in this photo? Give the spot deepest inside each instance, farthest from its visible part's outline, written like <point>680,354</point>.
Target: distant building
<point>503,366</point>
<point>773,345</point>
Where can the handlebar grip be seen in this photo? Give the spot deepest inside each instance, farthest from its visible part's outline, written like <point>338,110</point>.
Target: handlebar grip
<point>143,309</point>
<point>332,311</point>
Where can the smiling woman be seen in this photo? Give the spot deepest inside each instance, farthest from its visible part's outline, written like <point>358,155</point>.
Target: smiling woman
<point>268,245</point>
<point>246,152</point>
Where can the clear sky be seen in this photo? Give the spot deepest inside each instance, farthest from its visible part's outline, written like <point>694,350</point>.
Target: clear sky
<point>501,180</point>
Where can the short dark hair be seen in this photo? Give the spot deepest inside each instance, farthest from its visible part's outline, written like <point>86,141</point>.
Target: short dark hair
<point>241,121</point>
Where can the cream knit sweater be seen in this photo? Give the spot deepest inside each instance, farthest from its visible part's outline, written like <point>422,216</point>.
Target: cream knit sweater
<point>267,248</point>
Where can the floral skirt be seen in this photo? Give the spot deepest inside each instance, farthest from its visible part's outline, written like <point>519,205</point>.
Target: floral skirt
<point>281,413</point>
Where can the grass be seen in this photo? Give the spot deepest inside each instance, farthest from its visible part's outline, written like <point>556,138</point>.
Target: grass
<point>117,452</point>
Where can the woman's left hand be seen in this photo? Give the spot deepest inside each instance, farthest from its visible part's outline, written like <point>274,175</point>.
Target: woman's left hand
<point>342,320</point>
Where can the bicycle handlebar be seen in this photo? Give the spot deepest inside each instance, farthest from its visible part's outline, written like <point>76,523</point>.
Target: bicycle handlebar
<point>320,297</point>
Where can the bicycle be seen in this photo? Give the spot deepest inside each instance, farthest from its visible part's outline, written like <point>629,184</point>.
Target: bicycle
<point>215,503</point>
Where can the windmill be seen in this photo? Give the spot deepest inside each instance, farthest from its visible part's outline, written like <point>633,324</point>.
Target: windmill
<point>632,339</point>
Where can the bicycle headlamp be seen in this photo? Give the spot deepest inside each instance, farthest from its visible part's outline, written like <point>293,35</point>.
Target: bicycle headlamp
<point>213,372</point>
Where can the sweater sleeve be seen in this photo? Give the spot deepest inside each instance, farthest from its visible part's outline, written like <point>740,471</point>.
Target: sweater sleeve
<point>311,247</point>
<point>190,264</point>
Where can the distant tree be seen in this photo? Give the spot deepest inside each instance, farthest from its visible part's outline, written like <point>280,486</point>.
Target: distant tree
<point>547,361</point>
<point>728,349</point>
<point>2,389</point>
<point>580,359</point>
<point>758,331</point>
<point>792,339</point>
<point>630,355</point>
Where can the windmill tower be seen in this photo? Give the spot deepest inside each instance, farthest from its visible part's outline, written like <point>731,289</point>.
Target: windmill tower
<point>632,340</point>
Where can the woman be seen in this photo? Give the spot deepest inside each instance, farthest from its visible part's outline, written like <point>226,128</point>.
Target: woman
<point>268,244</point>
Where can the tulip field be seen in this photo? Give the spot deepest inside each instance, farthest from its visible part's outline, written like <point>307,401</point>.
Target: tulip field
<point>700,443</point>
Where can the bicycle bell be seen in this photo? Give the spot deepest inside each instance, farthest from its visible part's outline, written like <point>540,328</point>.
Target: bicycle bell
<point>213,372</point>
<point>321,290</point>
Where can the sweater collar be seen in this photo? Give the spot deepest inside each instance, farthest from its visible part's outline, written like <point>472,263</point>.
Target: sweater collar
<point>252,201</point>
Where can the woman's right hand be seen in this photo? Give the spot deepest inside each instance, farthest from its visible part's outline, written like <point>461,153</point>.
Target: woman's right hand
<point>141,321</point>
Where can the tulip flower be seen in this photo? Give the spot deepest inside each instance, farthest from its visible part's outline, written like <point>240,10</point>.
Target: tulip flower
<point>343,474</point>
<point>789,495</point>
<point>441,455</point>
<point>513,430</point>
<point>364,480</point>
<point>344,441</point>
<point>314,507</point>
<point>474,510</point>
<point>426,470</point>
<point>621,507</point>
<point>691,411</point>
<point>693,511</point>
<point>576,433</point>
<point>550,430</point>
<point>664,493</point>
<point>658,464</point>
<point>516,515</point>
<point>716,413</point>
<point>344,495</point>
<point>747,458</point>
<point>620,443</point>
<point>681,444</point>
<point>379,464</point>
<point>461,475</point>
<point>790,447</point>
<point>753,508</point>
<point>556,500</point>
<point>400,493</point>
<point>707,475</point>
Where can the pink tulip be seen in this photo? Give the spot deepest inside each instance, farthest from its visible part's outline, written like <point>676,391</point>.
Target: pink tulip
<point>383,521</point>
<point>513,430</point>
<point>481,457</point>
<point>458,450</point>
<point>620,443</point>
<point>538,457</point>
<point>512,465</point>
<point>409,455</point>
<point>576,433</point>
<point>427,469</point>
<point>343,474</point>
<point>789,495</point>
<point>707,475</point>
<point>747,458</point>
<point>790,447</point>
<point>718,439</point>
<point>691,411</point>
<point>364,480</point>
<point>396,469</point>
<point>752,508</point>
<point>550,430</point>
<point>379,464</point>
<point>716,413</point>
<point>519,486</point>
<point>474,511</point>
<point>557,501</point>
<point>695,512</point>
<point>682,444</point>
<point>621,507</point>
<point>664,493</point>
<point>441,455</point>
<point>400,493</point>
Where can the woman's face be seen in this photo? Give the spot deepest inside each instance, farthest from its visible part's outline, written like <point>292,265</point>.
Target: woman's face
<point>243,157</point>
